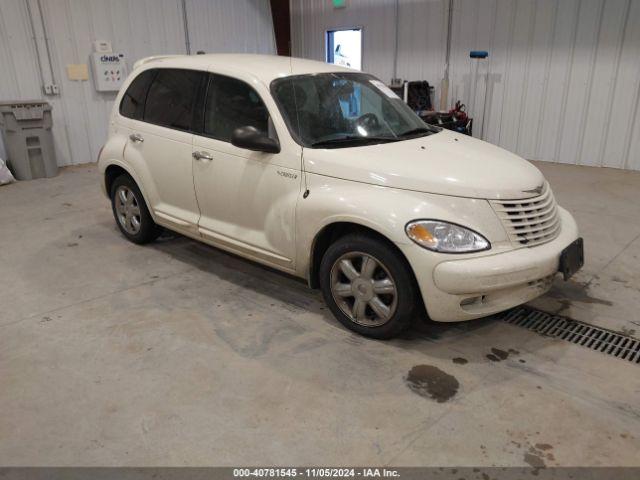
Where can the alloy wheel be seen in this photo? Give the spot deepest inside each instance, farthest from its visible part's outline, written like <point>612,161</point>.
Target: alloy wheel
<point>128,210</point>
<point>363,289</point>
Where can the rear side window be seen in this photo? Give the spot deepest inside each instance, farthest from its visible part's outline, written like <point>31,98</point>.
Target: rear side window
<point>171,98</point>
<point>231,104</point>
<point>132,104</point>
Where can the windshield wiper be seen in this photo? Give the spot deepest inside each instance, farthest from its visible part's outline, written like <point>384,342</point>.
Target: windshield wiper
<point>415,131</point>
<point>352,139</point>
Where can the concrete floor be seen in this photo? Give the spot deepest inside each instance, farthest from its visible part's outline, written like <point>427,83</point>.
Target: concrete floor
<point>180,354</point>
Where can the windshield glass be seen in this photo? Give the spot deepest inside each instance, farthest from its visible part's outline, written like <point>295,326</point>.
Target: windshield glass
<point>337,110</point>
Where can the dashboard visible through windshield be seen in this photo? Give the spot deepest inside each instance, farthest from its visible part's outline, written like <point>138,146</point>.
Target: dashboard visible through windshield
<point>338,110</point>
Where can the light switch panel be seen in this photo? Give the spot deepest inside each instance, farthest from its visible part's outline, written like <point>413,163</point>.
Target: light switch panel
<point>109,71</point>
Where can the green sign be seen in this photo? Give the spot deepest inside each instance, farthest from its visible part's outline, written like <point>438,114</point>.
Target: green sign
<point>339,3</point>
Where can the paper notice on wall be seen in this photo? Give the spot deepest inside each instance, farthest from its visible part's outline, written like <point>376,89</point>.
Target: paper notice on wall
<point>384,89</point>
<point>78,71</point>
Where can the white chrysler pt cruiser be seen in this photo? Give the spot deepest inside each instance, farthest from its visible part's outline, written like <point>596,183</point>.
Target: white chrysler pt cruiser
<point>322,172</point>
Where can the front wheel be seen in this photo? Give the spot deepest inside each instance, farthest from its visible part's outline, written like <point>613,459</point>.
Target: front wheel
<point>368,286</point>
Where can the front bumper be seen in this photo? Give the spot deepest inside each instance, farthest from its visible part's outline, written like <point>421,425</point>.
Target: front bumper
<point>467,288</point>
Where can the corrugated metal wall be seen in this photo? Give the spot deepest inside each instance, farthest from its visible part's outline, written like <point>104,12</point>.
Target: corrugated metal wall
<point>564,75</point>
<point>138,28</point>
<point>421,36</point>
<point>231,26</point>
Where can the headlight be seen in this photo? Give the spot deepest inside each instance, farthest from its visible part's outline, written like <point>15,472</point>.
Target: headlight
<point>445,237</point>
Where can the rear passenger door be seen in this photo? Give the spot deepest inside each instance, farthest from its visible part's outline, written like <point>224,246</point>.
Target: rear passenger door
<point>247,199</point>
<point>160,140</point>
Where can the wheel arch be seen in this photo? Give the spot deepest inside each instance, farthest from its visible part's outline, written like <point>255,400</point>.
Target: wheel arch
<point>330,233</point>
<point>113,170</point>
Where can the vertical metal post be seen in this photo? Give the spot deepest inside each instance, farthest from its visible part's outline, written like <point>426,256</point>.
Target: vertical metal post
<point>475,87</point>
<point>395,46</point>
<point>448,47</point>
<point>477,56</point>
<point>484,107</point>
<point>185,22</point>
<point>46,42</point>
<point>35,43</point>
<point>444,88</point>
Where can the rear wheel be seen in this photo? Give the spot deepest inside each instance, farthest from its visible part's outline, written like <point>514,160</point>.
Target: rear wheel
<point>368,286</point>
<point>131,212</point>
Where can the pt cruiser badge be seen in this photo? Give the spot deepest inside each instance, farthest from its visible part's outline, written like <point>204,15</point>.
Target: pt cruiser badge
<point>287,174</point>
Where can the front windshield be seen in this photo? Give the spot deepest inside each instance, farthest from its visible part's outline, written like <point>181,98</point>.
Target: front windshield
<point>337,110</point>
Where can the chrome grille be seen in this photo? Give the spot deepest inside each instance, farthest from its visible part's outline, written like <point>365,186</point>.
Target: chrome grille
<point>530,221</point>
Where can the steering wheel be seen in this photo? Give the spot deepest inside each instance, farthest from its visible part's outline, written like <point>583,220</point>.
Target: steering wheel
<point>368,121</point>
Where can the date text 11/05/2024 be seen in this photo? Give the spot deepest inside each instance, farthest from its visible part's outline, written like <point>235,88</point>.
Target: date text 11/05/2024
<point>316,472</point>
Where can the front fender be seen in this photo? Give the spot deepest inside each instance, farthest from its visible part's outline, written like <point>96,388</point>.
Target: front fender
<point>385,210</point>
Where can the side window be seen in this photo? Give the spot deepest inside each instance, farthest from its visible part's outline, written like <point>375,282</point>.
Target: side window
<point>132,104</point>
<point>171,98</point>
<point>232,104</point>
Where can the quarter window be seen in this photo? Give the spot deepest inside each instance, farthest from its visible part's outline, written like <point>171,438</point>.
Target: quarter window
<point>132,104</point>
<point>171,98</point>
<point>232,104</point>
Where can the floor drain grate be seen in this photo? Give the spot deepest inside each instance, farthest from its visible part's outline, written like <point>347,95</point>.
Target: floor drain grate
<point>583,334</point>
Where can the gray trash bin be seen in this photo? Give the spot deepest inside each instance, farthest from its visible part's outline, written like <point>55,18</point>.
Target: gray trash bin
<point>28,138</point>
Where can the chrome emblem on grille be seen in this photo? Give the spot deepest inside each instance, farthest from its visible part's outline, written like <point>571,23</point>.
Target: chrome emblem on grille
<point>537,190</point>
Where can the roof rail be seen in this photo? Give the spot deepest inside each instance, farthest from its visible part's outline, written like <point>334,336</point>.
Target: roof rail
<point>145,60</point>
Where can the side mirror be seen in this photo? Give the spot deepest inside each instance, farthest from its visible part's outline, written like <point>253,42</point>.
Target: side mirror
<point>253,139</point>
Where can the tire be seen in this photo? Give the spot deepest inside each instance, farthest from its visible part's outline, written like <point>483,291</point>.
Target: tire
<point>131,213</point>
<point>346,286</point>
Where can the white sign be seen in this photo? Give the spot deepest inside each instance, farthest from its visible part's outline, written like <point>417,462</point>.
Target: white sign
<point>109,71</point>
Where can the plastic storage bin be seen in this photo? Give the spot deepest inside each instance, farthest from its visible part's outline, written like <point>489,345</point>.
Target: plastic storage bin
<point>28,138</point>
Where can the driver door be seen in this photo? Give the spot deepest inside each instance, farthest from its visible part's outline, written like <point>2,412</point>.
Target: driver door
<point>247,199</point>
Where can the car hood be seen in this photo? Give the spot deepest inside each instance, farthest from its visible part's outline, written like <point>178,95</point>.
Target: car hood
<point>443,163</point>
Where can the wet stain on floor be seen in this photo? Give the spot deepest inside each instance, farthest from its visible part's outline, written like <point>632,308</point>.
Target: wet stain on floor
<point>538,454</point>
<point>574,292</point>
<point>431,382</point>
<point>543,446</point>
<point>497,355</point>
<point>534,460</point>
<point>629,332</point>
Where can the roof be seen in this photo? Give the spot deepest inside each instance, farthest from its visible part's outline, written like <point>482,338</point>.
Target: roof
<point>264,67</point>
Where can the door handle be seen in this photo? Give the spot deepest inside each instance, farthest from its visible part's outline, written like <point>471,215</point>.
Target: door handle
<point>136,138</point>
<point>202,156</point>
